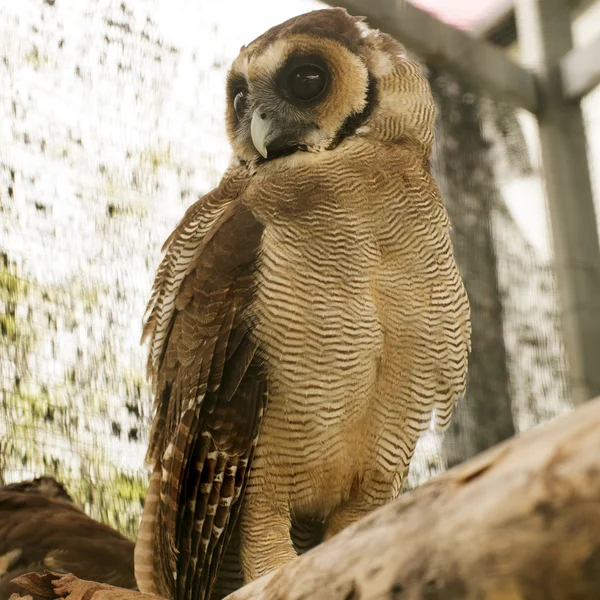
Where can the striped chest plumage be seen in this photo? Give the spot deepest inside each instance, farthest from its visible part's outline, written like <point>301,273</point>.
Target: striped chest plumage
<point>317,325</point>
<point>315,311</point>
<point>344,315</point>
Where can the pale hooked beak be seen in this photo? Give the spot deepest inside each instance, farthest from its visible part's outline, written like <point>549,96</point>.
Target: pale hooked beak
<point>260,129</point>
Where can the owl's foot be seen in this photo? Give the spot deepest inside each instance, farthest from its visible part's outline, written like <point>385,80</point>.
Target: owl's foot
<point>358,506</point>
<point>344,515</point>
<point>265,544</point>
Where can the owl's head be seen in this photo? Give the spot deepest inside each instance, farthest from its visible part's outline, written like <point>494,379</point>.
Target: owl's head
<point>320,80</point>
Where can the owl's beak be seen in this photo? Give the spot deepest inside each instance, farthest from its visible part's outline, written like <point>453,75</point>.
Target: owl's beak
<point>261,128</point>
<point>270,138</point>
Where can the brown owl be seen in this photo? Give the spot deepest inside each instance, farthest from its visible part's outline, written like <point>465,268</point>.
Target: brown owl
<point>308,316</point>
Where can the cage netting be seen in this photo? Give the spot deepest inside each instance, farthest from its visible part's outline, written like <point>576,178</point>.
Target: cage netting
<point>111,124</point>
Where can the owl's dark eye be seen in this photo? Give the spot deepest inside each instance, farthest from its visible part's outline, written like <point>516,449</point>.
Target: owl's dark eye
<point>307,82</point>
<point>240,103</point>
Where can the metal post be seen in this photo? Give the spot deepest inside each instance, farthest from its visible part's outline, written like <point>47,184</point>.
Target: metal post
<point>475,62</point>
<point>580,70</point>
<point>544,28</point>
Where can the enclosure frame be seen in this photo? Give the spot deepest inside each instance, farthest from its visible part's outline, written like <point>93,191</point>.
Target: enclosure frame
<point>552,91</point>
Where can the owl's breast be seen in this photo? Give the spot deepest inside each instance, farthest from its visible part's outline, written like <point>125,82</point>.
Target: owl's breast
<point>315,314</point>
<point>317,326</point>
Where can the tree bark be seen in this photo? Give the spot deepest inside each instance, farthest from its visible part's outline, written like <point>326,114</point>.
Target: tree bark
<point>519,522</point>
<point>57,585</point>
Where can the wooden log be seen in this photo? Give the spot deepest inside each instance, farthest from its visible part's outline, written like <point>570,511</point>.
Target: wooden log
<point>41,527</point>
<point>49,586</point>
<point>520,521</point>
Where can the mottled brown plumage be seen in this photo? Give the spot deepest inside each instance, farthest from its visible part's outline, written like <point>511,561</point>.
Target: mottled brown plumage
<point>308,317</point>
<point>41,528</point>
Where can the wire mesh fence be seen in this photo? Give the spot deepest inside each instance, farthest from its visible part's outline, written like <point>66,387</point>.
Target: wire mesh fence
<point>111,124</point>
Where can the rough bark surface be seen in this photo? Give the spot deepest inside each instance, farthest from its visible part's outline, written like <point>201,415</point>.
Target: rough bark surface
<point>520,521</point>
<point>56,585</point>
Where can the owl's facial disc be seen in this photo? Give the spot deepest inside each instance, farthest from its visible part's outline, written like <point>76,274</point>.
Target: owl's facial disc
<point>279,124</point>
<point>297,93</point>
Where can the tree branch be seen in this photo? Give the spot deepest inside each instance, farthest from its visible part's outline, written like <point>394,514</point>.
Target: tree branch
<point>519,521</point>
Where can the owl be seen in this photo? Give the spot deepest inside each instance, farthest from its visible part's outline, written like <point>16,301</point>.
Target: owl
<point>308,317</point>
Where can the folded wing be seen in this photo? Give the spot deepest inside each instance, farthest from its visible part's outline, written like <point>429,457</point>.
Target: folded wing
<point>210,392</point>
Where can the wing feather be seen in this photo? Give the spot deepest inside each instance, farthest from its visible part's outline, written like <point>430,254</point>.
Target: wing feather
<point>180,248</point>
<point>209,385</point>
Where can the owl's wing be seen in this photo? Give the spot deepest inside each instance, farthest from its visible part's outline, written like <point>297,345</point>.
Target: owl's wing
<point>210,393</point>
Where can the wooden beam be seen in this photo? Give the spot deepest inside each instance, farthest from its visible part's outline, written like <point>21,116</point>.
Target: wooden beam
<point>544,28</point>
<point>502,19</point>
<point>521,520</point>
<point>476,62</point>
<point>580,70</point>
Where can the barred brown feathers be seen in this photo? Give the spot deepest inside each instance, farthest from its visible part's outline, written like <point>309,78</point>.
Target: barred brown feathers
<point>308,317</point>
<point>210,391</point>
